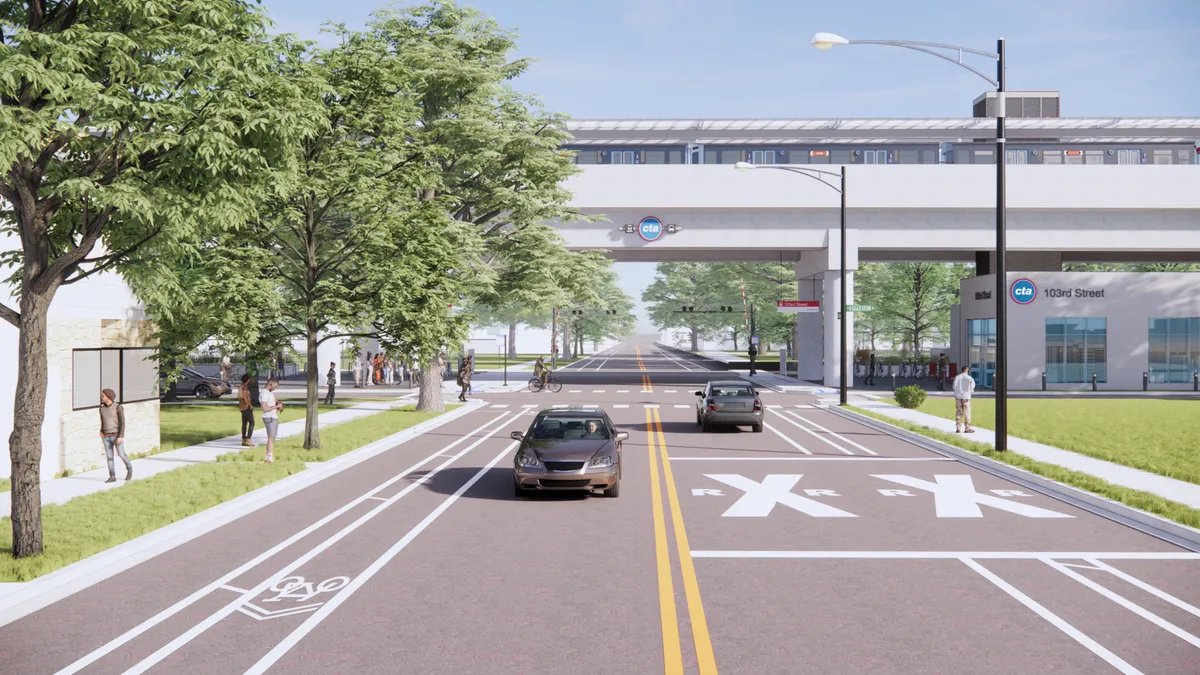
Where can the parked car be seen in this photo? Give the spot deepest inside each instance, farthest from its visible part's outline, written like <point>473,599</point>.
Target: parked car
<point>192,382</point>
<point>733,403</point>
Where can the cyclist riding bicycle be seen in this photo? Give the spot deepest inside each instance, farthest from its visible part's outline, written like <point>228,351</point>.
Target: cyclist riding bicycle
<point>540,370</point>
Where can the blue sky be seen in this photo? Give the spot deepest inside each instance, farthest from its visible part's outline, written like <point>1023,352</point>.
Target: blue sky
<point>751,58</point>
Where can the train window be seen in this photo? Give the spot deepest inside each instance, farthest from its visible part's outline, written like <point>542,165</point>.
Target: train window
<point>962,156</point>
<point>710,156</point>
<point>1129,157</point>
<point>586,157</point>
<point>1093,157</point>
<point>731,156</point>
<point>839,157</point>
<point>797,156</point>
<point>1074,157</point>
<point>908,157</point>
<point>762,157</point>
<point>984,157</point>
<point>875,157</point>
<point>674,157</point>
<point>819,156</point>
<point>621,156</point>
<point>1052,157</point>
<point>1183,156</point>
<point>927,157</point>
<point>1017,156</point>
<point>656,157</point>
<point>1162,156</point>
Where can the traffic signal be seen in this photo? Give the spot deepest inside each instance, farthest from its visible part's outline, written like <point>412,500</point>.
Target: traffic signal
<point>577,312</point>
<point>610,311</point>
<point>689,308</point>
<point>726,308</point>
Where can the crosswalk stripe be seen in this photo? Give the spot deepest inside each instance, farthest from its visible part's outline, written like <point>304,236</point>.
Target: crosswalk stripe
<point>597,391</point>
<point>560,405</point>
<point>622,391</point>
<point>530,405</point>
<point>500,405</point>
<point>591,407</point>
<point>622,405</point>
<point>670,391</point>
<point>682,406</point>
<point>576,391</point>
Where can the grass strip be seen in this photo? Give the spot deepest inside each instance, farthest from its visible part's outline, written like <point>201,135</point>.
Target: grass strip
<point>5,485</point>
<point>93,523</point>
<point>338,439</point>
<point>183,425</point>
<point>1151,503</point>
<point>1159,436</point>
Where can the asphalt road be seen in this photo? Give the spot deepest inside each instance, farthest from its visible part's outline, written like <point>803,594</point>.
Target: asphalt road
<point>816,546</point>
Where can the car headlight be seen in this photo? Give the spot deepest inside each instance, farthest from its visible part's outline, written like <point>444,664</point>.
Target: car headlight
<point>528,459</point>
<point>602,461</point>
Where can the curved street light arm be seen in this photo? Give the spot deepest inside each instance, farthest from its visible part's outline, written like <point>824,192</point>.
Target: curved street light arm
<point>925,48</point>
<point>811,173</point>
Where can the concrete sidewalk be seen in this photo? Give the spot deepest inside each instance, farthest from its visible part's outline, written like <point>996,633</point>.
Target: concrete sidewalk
<point>62,490</point>
<point>1175,490</point>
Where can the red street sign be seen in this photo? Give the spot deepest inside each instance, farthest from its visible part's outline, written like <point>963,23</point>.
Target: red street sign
<point>797,306</point>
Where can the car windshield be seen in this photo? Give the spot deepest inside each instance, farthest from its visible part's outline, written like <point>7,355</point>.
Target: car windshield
<point>731,390</point>
<point>566,428</point>
<point>191,373</point>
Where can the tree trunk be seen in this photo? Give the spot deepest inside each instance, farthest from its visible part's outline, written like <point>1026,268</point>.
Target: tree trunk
<point>566,341</point>
<point>430,398</point>
<point>312,426</point>
<point>695,339</point>
<point>512,340</point>
<point>252,369</point>
<point>735,334</point>
<point>29,411</point>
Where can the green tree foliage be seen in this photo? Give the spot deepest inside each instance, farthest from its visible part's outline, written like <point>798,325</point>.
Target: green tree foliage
<point>915,299</point>
<point>687,284</point>
<point>493,156</point>
<point>126,126</point>
<point>1131,267</point>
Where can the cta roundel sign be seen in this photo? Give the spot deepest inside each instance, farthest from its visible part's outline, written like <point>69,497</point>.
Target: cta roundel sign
<point>1023,291</point>
<point>650,229</point>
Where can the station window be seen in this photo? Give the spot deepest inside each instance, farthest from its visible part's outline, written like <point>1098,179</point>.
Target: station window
<point>132,374</point>
<point>1076,348</point>
<point>981,350</point>
<point>1174,349</point>
<point>762,157</point>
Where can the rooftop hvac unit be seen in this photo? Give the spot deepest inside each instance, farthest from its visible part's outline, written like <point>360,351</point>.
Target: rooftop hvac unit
<point>1019,104</point>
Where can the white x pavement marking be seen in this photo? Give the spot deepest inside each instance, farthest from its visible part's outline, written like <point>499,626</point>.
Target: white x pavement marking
<point>954,496</point>
<point>761,498</point>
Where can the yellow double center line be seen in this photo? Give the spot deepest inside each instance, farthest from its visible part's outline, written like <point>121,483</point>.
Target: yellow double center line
<point>646,384</point>
<point>672,650</point>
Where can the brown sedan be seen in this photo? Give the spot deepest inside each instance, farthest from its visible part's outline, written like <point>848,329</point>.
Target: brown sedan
<point>569,449</point>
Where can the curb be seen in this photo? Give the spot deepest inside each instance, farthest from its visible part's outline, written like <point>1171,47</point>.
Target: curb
<point>1169,531</point>
<point>47,589</point>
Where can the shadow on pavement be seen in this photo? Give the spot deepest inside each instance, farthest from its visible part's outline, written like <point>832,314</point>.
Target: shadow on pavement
<point>495,485</point>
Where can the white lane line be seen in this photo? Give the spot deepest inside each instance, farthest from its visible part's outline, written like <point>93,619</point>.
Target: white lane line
<point>216,617</point>
<point>947,555</point>
<point>590,407</point>
<point>774,406</point>
<point>813,459</point>
<point>559,405</point>
<point>333,603</point>
<point>810,431</point>
<point>1071,631</point>
<point>621,405</point>
<point>794,444</point>
<point>384,499</point>
<point>835,435</point>
<point>1127,604</point>
<point>622,391</point>
<point>235,589</point>
<point>195,597</point>
<point>670,391</point>
<point>1163,595</point>
<point>574,391</point>
<point>529,405</point>
<point>597,391</point>
<point>601,364</point>
<point>685,407</point>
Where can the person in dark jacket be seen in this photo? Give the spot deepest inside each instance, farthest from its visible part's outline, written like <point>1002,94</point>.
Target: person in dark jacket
<point>870,369</point>
<point>112,433</point>
<point>247,409</point>
<point>464,378</point>
<point>331,379</point>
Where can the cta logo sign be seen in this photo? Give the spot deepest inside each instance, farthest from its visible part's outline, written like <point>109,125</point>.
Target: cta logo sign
<point>1023,291</point>
<point>650,229</point>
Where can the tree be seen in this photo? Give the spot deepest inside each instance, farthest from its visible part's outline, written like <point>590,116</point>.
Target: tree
<point>917,297</point>
<point>1131,267</point>
<point>607,314</point>
<point>123,123</point>
<point>869,285</point>
<point>494,156</point>
<point>688,284</point>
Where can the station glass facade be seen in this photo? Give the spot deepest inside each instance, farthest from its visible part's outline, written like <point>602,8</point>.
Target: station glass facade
<point>1174,349</point>
<point>1075,349</point>
<point>981,350</point>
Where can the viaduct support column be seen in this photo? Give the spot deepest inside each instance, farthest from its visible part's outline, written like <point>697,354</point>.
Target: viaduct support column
<point>818,336</point>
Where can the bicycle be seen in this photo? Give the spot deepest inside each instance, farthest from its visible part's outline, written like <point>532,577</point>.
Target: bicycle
<point>535,384</point>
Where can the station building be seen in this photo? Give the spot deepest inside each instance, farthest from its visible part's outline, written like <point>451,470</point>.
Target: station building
<point>1126,329</point>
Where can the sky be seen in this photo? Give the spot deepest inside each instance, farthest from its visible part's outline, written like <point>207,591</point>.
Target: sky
<point>751,58</point>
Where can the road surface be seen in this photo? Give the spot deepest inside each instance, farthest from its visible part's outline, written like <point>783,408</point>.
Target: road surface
<point>815,546</point>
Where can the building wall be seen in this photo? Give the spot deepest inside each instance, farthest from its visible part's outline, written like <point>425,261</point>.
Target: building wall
<point>1130,301</point>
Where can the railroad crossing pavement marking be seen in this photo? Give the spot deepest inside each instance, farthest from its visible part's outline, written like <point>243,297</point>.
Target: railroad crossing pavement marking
<point>954,496</point>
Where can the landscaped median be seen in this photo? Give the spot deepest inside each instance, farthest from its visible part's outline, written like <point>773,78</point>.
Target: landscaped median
<point>1144,501</point>
<point>93,523</point>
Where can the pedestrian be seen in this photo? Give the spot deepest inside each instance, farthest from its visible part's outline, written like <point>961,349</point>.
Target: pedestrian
<point>226,368</point>
<point>112,433</point>
<point>331,379</point>
<point>870,369</point>
<point>247,409</point>
<point>964,386</point>
<point>943,371</point>
<point>464,378</point>
<point>270,414</point>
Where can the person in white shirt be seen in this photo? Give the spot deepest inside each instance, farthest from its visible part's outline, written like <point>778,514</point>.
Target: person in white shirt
<point>270,413</point>
<point>964,386</point>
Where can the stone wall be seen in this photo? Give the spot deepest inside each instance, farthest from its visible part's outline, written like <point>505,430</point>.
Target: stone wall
<point>78,446</point>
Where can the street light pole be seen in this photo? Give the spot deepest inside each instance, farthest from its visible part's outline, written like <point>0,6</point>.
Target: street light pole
<point>1000,378</point>
<point>842,322</point>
